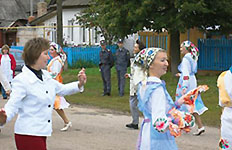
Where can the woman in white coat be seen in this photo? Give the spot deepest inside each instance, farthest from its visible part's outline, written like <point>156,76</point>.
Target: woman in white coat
<point>33,95</point>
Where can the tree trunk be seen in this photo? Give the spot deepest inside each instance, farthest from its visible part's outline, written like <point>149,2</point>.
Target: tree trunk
<point>175,51</point>
<point>59,23</point>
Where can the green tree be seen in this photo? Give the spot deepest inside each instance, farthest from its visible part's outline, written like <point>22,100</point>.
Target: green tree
<point>123,17</point>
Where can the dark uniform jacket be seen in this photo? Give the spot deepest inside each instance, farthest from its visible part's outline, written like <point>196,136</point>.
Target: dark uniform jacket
<point>106,58</point>
<point>122,58</point>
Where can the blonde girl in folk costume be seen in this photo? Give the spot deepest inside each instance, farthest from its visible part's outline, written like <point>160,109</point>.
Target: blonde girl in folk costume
<point>55,67</point>
<point>159,127</point>
<point>225,101</point>
<point>187,80</point>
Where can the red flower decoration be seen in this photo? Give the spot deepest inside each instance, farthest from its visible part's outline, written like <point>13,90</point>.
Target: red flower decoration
<point>186,77</point>
<point>143,51</point>
<point>187,118</point>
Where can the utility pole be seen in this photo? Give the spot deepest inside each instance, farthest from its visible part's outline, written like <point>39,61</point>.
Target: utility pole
<point>31,7</point>
<point>59,22</point>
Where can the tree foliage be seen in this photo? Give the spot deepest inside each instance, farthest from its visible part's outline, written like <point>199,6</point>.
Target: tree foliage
<point>119,18</point>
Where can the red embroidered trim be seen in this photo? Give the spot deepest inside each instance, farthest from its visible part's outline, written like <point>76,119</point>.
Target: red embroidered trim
<point>186,77</point>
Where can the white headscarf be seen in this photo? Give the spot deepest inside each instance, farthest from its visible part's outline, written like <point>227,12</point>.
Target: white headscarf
<point>192,48</point>
<point>59,51</point>
<point>144,59</point>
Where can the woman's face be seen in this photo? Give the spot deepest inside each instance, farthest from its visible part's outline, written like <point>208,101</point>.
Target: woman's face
<point>42,61</point>
<point>183,49</point>
<point>52,51</point>
<point>5,51</point>
<point>136,49</point>
<point>160,65</point>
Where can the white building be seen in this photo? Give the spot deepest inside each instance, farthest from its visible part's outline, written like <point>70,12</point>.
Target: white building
<point>73,34</point>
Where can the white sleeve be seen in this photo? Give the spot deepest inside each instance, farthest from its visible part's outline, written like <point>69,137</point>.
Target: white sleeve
<point>228,82</point>
<point>185,67</point>
<point>55,68</point>
<point>158,110</point>
<point>67,89</point>
<point>16,97</point>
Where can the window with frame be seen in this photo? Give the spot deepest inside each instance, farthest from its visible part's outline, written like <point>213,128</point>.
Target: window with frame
<point>54,32</point>
<point>70,29</point>
<point>83,35</point>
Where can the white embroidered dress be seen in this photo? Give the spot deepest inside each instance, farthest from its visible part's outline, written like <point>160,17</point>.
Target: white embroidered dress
<point>226,117</point>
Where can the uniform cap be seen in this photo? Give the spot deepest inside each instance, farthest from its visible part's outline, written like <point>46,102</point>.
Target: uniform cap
<point>102,42</point>
<point>120,41</point>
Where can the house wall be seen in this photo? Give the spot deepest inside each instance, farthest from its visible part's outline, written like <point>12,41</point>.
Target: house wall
<point>72,35</point>
<point>23,35</point>
<point>1,38</point>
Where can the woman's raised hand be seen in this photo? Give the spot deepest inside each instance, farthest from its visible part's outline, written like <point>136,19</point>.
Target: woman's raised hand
<point>82,78</point>
<point>2,116</point>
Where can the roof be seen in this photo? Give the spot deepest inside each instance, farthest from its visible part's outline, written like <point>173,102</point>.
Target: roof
<point>12,10</point>
<point>43,18</point>
<point>26,4</point>
<point>75,2</point>
<point>68,3</point>
<point>52,11</point>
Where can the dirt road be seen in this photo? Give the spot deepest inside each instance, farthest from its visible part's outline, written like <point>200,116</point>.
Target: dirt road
<point>97,129</point>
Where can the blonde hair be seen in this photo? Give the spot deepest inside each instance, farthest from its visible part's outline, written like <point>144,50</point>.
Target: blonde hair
<point>6,47</point>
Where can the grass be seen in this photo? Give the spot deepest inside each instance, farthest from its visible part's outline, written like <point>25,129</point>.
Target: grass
<point>93,90</point>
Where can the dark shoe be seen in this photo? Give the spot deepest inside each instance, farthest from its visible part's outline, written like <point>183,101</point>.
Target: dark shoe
<point>132,126</point>
<point>104,94</point>
<point>4,97</point>
<point>121,95</point>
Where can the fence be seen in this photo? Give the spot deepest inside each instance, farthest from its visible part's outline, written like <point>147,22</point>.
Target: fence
<point>85,54</point>
<point>88,54</point>
<point>152,39</point>
<point>215,54</point>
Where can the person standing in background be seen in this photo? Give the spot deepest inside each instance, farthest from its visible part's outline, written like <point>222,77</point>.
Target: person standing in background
<point>121,64</point>
<point>135,78</point>
<point>55,68</point>
<point>105,65</point>
<point>8,65</point>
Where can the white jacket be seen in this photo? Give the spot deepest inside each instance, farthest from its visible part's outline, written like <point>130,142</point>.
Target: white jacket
<point>33,100</point>
<point>5,83</point>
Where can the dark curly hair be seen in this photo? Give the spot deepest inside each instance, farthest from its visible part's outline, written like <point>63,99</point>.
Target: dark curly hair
<point>141,44</point>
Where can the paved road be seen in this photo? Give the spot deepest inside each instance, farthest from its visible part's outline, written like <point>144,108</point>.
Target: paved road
<point>97,129</point>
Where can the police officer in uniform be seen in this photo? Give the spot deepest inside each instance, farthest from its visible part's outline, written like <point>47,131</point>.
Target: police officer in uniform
<point>122,62</point>
<point>105,65</point>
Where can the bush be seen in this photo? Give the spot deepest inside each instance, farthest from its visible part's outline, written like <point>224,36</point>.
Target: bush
<point>82,63</point>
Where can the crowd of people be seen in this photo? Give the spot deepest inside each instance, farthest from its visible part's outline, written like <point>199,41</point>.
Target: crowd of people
<point>34,99</point>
